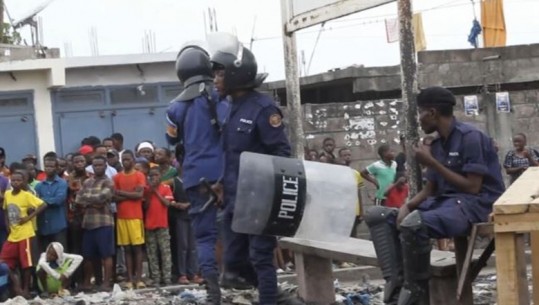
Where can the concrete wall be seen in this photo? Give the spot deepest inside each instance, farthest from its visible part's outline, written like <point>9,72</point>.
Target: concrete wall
<point>120,75</point>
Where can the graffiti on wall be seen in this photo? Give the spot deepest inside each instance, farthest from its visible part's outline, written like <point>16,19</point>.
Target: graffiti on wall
<point>359,123</point>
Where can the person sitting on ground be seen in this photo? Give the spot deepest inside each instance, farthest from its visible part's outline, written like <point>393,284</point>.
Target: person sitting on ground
<point>55,268</point>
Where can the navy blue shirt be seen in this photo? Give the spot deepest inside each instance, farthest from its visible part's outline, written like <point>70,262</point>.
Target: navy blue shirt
<point>254,125</point>
<point>203,152</point>
<point>468,150</point>
<point>54,218</point>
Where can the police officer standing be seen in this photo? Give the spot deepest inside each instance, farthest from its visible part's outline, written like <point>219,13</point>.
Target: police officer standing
<point>194,121</point>
<point>463,181</point>
<point>255,125</point>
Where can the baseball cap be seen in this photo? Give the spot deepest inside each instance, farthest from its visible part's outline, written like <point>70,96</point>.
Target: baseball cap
<point>29,157</point>
<point>113,152</point>
<point>86,149</point>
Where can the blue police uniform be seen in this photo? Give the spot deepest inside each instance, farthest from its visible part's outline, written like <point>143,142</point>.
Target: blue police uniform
<point>466,150</point>
<point>449,212</point>
<point>254,125</point>
<point>191,121</point>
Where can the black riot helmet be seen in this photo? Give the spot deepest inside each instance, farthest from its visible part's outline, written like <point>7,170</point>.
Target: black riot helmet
<point>240,69</point>
<point>193,67</point>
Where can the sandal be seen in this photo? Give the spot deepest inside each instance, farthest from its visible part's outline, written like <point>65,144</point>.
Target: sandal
<point>141,285</point>
<point>128,286</point>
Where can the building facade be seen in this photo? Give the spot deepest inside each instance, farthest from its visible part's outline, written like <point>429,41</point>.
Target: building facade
<point>52,104</point>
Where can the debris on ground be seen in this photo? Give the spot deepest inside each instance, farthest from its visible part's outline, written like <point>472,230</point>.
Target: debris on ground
<point>364,292</point>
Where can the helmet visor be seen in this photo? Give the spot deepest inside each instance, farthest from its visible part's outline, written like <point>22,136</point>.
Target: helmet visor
<point>225,43</point>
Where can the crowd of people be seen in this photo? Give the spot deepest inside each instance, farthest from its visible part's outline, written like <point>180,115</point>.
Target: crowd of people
<point>106,207</point>
<point>102,203</point>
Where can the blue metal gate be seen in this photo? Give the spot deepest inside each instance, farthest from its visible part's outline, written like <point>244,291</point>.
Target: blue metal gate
<point>17,125</point>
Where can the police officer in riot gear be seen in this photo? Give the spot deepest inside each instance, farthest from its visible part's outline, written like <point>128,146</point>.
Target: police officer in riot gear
<point>463,181</point>
<point>194,122</point>
<point>255,125</point>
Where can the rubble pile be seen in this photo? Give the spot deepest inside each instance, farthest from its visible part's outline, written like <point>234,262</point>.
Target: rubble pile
<point>365,293</point>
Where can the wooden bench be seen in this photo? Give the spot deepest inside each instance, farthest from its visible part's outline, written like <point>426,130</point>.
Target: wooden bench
<point>313,261</point>
<point>517,212</point>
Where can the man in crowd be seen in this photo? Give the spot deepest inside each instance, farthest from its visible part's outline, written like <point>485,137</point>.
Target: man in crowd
<point>52,223</point>
<point>97,224</point>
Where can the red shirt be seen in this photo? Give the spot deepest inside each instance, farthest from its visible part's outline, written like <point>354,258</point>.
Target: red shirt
<point>396,196</point>
<point>41,176</point>
<point>157,213</point>
<point>129,209</point>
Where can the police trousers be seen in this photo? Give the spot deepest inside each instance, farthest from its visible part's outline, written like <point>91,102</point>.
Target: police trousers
<point>251,257</point>
<point>204,224</point>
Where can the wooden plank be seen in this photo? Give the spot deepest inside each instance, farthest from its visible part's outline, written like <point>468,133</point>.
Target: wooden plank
<point>518,197</point>
<point>534,205</point>
<point>333,10</point>
<point>506,269</point>
<point>535,265</point>
<point>526,222</point>
<point>522,274</point>
<point>361,252</point>
<point>482,260</point>
<point>465,297</point>
<point>315,279</point>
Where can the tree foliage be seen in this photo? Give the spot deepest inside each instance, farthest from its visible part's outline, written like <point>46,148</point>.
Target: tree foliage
<point>8,35</point>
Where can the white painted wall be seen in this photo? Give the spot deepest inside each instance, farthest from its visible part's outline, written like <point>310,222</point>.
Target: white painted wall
<point>121,75</point>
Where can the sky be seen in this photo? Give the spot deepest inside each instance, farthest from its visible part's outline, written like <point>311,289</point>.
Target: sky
<point>358,39</point>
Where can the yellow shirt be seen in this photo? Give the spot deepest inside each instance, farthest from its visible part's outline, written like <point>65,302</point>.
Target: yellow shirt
<point>359,181</point>
<point>16,207</point>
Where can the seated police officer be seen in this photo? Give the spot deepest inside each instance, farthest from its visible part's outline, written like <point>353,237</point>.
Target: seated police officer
<point>463,181</point>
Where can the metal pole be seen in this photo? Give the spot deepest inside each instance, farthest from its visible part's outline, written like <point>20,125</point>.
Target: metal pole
<point>1,20</point>
<point>293,99</point>
<point>409,91</point>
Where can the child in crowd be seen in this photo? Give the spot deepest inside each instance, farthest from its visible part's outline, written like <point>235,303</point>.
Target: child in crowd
<point>17,250</point>
<point>381,173</point>
<point>129,192</point>
<point>397,192</point>
<point>55,268</point>
<point>184,249</point>
<point>142,165</point>
<point>158,199</point>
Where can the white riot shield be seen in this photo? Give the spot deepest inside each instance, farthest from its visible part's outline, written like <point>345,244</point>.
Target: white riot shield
<point>294,198</point>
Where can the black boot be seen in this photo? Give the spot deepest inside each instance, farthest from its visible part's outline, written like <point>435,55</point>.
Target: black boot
<point>213,290</point>
<point>388,250</point>
<point>416,249</point>
<point>231,280</point>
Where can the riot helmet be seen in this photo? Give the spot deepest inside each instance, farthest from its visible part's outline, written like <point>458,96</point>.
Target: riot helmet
<point>193,67</point>
<point>238,62</point>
